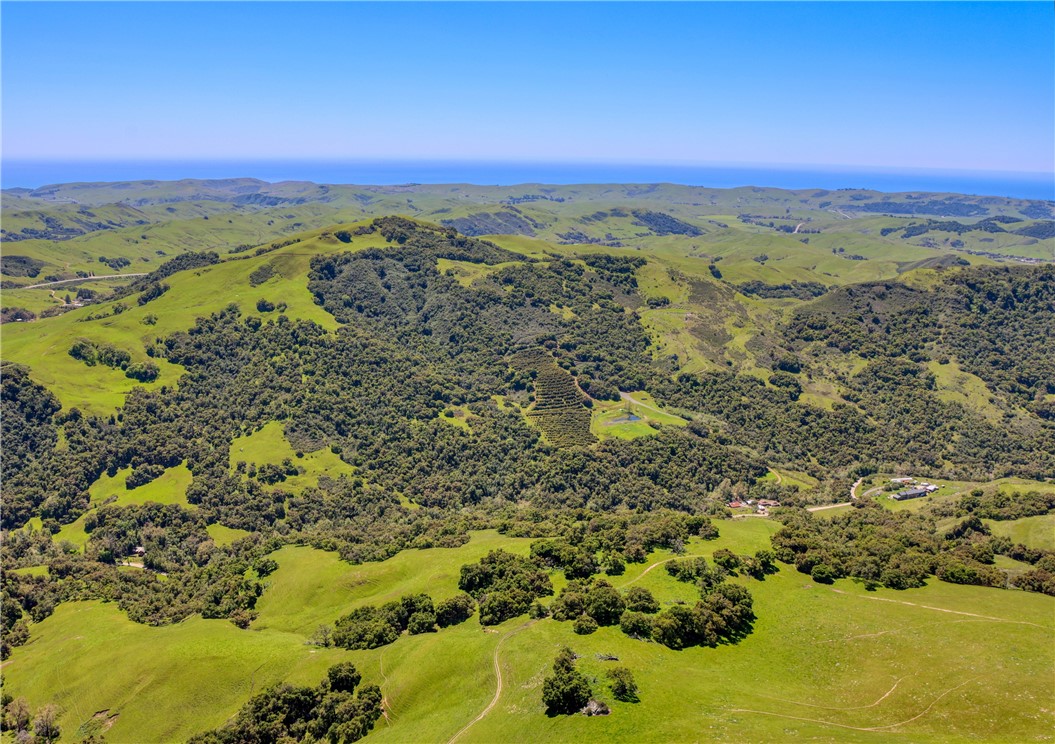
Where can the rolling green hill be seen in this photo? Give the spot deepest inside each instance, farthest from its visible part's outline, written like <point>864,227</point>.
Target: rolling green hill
<point>307,407</point>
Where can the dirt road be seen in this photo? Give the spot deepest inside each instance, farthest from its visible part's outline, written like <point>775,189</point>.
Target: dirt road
<point>81,279</point>
<point>498,687</point>
<point>627,397</point>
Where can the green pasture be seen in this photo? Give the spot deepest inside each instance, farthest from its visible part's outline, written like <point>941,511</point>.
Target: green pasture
<point>802,481</point>
<point>612,419</point>
<point>168,488</point>
<point>164,684</point>
<point>312,587</point>
<point>466,272</point>
<point>459,417</point>
<point>43,345</point>
<point>958,386</point>
<point>942,663</point>
<point>1036,532</point>
<point>269,446</point>
<point>949,491</point>
<point>32,571</point>
<point>225,535</point>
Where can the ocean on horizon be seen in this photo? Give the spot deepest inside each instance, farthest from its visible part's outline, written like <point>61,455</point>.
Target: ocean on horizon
<point>34,174</point>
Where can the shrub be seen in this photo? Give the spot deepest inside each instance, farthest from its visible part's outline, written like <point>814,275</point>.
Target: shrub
<point>265,566</point>
<point>537,610</point>
<point>584,625</point>
<point>152,292</point>
<point>421,622</point>
<point>823,574</point>
<point>624,688</point>
<point>566,691</point>
<point>504,584</point>
<point>727,559</point>
<point>454,610</point>
<point>142,475</point>
<point>343,677</point>
<point>604,604</point>
<point>636,625</point>
<point>639,599</point>
<point>143,371</point>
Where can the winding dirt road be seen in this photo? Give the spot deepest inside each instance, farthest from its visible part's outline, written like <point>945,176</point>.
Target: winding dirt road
<point>498,677</point>
<point>853,497</point>
<point>658,563</point>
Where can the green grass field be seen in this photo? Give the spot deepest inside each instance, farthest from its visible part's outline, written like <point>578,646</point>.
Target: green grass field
<point>269,446</point>
<point>630,417</point>
<point>824,663</point>
<point>222,535</point>
<point>43,345</point>
<point>1036,532</point>
<point>168,488</point>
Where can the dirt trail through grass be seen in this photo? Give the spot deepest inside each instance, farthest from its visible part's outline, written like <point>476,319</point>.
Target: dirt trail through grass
<point>828,506</point>
<point>859,728</point>
<point>853,497</point>
<point>942,609</point>
<point>827,707</point>
<point>658,563</point>
<point>498,687</point>
<point>386,704</point>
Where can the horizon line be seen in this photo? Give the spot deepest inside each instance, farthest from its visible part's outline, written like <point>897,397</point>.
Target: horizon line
<point>744,165</point>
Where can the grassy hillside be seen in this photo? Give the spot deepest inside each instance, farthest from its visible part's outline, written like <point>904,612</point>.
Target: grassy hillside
<point>823,662</point>
<point>43,346</point>
<point>357,408</point>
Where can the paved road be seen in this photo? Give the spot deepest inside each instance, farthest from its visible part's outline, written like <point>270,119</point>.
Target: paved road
<point>80,279</point>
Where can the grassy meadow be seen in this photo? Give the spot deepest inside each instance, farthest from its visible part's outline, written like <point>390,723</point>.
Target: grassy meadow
<point>824,663</point>
<point>168,488</point>
<point>43,346</point>
<point>269,446</point>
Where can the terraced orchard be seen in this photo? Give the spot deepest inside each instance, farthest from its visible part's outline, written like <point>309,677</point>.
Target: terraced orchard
<point>558,409</point>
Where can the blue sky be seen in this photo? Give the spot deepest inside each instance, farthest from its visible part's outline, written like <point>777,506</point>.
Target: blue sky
<point>944,85</point>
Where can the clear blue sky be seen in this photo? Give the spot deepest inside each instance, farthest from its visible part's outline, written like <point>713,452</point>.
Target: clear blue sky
<point>945,85</point>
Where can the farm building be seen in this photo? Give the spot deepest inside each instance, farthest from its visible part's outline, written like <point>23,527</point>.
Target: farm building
<point>912,493</point>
